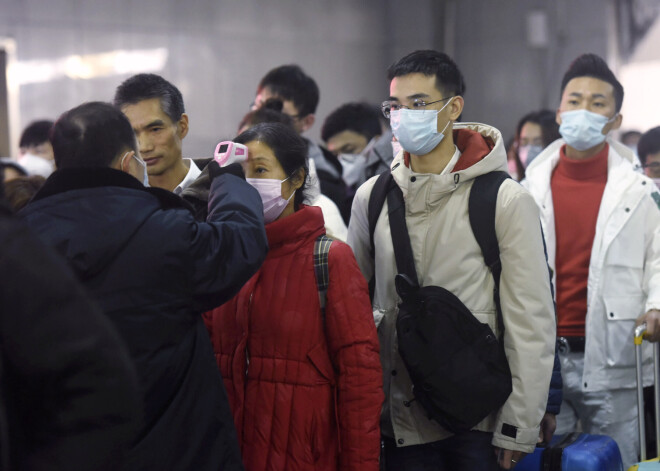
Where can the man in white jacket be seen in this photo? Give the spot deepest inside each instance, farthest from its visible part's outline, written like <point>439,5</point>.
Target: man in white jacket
<point>435,173</point>
<point>602,226</point>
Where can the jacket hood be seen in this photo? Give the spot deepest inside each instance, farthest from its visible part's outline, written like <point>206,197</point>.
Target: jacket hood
<point>482,151</point>
<point>89,215</point>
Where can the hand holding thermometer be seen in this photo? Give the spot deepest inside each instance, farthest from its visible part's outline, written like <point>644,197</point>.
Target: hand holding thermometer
<point>229,152</point>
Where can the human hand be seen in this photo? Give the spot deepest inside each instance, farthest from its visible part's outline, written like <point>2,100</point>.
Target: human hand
<point>548,426</point>
<point>652,320</point>
<point>508,459</point>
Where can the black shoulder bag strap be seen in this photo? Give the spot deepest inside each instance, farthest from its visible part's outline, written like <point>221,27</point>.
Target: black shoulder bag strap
<point>376,201</point>
<point>481,208</point>
<point>321,269</point>
<point>403,253</point>
<point>383,184</point>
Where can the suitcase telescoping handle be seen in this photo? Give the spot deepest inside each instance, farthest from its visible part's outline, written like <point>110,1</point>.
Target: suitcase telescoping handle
<point>640,330</point>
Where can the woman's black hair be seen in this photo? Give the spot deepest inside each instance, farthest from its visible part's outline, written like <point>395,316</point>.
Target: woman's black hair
<point>289,148</point>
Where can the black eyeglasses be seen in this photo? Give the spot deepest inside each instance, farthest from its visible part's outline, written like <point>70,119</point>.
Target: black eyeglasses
<point>418,104</point>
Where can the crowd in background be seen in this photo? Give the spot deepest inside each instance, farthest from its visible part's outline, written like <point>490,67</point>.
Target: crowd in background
<point>240,310</point>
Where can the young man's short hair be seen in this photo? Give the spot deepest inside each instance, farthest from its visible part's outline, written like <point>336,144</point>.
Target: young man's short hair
<point>146,86</point>
<point>449,80</point>
<point>270,112</point>
<point>648,144</point>
<point>91,135</point>
<point>36,133</point>
<point>289,82</point>
<point>591,65</point>
<point>361,118</point>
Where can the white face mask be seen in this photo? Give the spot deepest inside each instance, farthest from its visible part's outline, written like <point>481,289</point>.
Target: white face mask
<point>141,164</point>
<point>417,130</point>
<point>352,167</point>
<point>583,129</point>
<point>656,181</point>
<point>270,191</point>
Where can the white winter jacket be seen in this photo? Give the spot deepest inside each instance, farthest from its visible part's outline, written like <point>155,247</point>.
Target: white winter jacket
<point>448,255</point>
<point>624,270</point>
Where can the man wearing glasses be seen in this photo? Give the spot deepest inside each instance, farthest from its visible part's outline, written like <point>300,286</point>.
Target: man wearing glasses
<point>300,97</point>
<point>435,172</point>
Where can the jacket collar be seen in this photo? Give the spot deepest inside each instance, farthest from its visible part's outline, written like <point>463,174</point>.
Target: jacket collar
<point>292,231</point>
<point>69,179</point>
<point>482,151</point>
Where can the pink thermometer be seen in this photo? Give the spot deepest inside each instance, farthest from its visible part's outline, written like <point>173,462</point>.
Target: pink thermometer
<point>229,152</point>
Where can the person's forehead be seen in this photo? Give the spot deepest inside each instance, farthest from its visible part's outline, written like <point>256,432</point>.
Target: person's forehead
<point>410,85</point>
<point>589,87</point>
<point>144,112</point>
<point>345,137</point>
<point>530,129</point>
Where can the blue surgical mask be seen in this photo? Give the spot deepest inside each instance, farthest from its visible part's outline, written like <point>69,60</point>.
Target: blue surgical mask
<point>528,153</point>
<point>417,130</point>
<point>583,129</point>
<point>142,165</point>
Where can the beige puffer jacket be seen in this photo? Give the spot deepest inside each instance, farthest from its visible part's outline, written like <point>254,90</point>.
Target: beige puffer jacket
<point>447,255</point>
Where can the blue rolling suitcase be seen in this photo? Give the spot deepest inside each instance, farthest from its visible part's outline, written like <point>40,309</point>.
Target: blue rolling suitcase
<point>574,452</point>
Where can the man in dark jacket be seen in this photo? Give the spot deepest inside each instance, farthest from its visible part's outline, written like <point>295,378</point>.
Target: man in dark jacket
<point>70,395</point>
<point>153,269</point>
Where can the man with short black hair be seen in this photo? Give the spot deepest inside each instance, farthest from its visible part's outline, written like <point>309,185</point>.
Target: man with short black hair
<point>354,133</point>
<point>648,149</point>
<point>155,109</point>
<point>602,226</point>
<point>36,153</point>
<point>153,270</point>
<point>300,97</point>
<point>435,172</point>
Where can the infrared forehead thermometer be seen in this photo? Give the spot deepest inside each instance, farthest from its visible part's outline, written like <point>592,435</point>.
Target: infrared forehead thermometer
<point>229,152</point>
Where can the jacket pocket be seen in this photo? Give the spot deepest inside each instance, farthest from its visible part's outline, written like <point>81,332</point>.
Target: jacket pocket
<point>621,313</point>
<point>319,357</point>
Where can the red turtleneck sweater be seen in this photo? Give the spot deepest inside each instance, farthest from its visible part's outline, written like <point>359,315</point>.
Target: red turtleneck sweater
<point>577,189</point>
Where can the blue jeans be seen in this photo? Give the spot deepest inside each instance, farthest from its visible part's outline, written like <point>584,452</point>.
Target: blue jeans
<point>468,451</point>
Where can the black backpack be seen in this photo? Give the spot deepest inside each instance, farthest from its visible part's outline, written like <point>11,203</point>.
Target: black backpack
<point>458,367</point>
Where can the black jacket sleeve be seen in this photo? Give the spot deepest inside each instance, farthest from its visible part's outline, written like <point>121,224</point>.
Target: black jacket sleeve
<point>69,390</point>
<point>231,246</point>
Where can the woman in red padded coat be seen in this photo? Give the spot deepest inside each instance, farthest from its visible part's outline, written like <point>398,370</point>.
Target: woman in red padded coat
<point>306,394</point>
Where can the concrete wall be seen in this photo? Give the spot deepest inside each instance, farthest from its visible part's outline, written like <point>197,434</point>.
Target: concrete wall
<point>217,50</point>
<point>506,75</point>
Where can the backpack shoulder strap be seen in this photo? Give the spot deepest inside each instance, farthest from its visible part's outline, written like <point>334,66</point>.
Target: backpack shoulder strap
<point>481,208</point>
<point>374,208</point>
<point>376,202</point>
<point>321,269</point>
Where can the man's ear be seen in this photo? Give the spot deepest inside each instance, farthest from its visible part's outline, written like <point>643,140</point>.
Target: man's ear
<point>308,121</point>
<point>456,107</point>
<point>617,122</point>
<point>182,126</point>
<point>125,161</point>
<point>558,117</point>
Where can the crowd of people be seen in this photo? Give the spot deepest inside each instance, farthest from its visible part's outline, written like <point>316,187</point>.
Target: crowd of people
<point>242,311</point>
